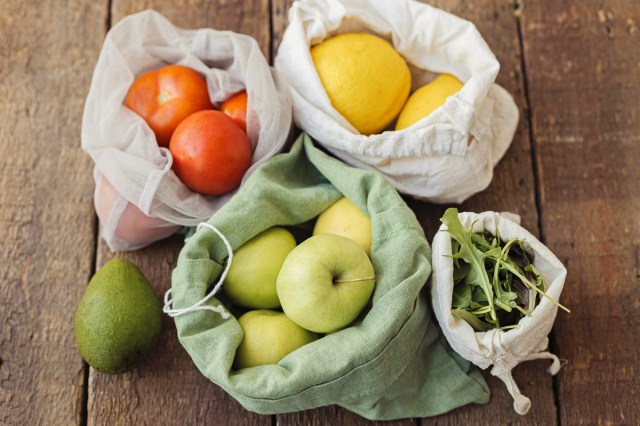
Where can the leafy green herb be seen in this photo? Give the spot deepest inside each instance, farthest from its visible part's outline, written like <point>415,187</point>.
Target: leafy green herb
<point>495,282</point>
<point>475,322</point>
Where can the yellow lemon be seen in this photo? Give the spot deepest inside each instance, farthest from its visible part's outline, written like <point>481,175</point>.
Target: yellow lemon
<point>367,81</point>
<point>427,99</point>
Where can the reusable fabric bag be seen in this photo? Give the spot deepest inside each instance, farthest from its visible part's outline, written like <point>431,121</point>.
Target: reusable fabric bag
<point>501,349</point>
<point>445,157</point>
<point>123,146</point>
<point>393,363</point>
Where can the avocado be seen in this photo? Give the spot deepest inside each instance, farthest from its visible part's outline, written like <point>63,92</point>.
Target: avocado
<point>118,320</point>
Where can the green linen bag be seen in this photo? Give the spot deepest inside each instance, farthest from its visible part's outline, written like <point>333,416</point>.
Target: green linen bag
<point>392,364</point>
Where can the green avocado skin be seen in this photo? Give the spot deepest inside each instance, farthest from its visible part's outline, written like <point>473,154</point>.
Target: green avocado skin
<point>118,320</point>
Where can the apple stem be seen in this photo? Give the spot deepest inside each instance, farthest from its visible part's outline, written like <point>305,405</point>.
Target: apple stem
<point>355,280</point>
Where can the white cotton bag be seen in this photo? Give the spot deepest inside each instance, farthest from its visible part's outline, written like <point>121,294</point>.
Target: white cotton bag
<point>501,350</point>
<point>124,147</point>
<point>445,157</point>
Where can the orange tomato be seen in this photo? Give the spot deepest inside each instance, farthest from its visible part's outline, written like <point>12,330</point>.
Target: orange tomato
<point>166,96</point>
<point>236,108</point>
<point>210,152</point>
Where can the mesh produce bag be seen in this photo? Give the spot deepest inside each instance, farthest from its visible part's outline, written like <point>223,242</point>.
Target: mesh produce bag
<point>446,157</point>
<point>124,147</point>
<point>392,363</point>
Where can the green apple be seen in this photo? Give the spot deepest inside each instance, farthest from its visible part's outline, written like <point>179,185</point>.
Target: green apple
<point>268,337</point>
<point>251,281</point>
<point>346,219</point>
<point>325,282</point>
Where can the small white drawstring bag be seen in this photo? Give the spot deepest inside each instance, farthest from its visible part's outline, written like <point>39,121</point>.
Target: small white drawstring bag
<point>124,147</point>
<point>502,350</point>
<point>445,157</point>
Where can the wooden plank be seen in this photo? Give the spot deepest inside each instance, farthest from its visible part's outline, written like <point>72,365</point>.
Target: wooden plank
<point>513,189</point>
<point>168,389</point>
<point>334,415</point>
<point>583,73</point>
<point>246,17</point>
<point>46,218</point>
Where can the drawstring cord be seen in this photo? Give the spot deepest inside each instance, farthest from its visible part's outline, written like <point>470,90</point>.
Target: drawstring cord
<point>198,306</point>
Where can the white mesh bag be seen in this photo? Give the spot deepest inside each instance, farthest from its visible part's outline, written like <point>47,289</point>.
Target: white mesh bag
<point>124,147</point>
<point>445,157</point>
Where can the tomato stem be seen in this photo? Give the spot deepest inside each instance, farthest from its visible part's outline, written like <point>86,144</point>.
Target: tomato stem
<point>163,97</point>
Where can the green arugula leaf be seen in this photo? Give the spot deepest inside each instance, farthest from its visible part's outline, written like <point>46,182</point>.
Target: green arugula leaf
<point>533,270</point>
<point>460,272</point>
<point>471,319</point>
<point>495,281</point>
<point>481,242</point>
<point>469,253</point>
<point>461,296</point>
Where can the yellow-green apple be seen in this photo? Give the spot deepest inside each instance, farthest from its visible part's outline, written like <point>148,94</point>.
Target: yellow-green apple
<point>268,337</point>
<point>346,219</point>
<point>325,282</point>
<point>251,281</point>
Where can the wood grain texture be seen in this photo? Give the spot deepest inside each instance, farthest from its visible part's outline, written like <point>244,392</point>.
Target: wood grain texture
<point>46,217</point>
<point>168,389</point>
<point>583,63</point>
<point>246,17</point>
<point>279,21</point>
<point>334,415</point>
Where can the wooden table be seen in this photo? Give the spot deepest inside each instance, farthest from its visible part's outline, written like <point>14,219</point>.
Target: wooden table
<point>572,173</point>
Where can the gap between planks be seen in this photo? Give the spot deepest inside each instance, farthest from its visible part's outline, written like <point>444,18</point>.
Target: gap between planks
<point>553,344</point>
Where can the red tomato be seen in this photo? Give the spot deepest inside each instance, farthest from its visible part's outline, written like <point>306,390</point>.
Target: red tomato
<point>236,108</point>
<point>166,96</point>
<point>210,152</point>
